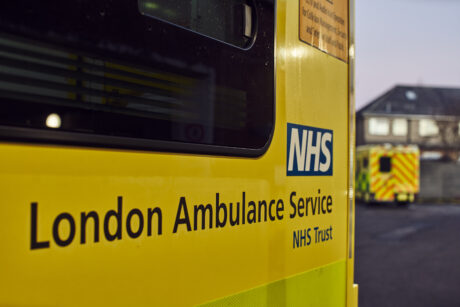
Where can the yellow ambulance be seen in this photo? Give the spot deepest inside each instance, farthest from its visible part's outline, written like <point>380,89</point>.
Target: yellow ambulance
<point>177,153</point>
<point>387,173</point>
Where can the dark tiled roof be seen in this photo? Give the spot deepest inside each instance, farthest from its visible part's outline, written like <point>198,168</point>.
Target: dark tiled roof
<point>416,100</point>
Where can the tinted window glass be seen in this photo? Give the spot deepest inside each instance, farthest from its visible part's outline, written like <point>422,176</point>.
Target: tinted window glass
<point>385,164</point>
<point>103,74</point>
<point>230,21</point>
<point>365,162</point>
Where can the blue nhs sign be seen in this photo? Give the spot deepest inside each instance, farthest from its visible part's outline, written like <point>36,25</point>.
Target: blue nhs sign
<point>309,151</point>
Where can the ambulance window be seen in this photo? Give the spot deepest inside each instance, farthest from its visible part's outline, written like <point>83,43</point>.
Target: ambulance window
<point>107,74</point>
<point>365,163</point>
<point>230,21</point>
<point>385,164</point>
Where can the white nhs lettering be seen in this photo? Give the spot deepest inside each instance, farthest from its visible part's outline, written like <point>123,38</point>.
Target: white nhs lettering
<point>309,151</point>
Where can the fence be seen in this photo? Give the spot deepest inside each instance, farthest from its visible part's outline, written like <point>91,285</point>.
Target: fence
<point>439,181</point>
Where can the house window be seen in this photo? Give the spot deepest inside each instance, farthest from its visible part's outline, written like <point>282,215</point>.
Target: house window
<point>428,127</point>
<point>399,127</point>
<point>379,126</point>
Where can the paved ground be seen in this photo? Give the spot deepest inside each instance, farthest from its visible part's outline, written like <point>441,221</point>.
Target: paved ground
<point>408,256</point>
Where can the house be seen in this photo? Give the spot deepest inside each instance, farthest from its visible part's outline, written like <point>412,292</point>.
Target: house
<point>426,116</point>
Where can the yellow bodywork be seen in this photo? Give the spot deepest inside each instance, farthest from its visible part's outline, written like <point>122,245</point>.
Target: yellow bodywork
<point>398,183</point>
<point>246,265</point>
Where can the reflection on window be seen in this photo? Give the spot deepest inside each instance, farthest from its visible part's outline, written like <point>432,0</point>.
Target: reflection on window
<point>379,126</point>
<point>230,21</point>
<point>399,127</point>
<point>428,127</point>
<point>102,74</point>
<point>73,89</point>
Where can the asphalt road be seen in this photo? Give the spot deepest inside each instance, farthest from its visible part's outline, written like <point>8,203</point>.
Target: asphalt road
<point>408,256</point>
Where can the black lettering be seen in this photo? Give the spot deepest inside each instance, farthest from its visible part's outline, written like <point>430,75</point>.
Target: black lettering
<point>316,234</point>
<point>313,206</point>
<point>300,238</point>
<point>263,203</point>
<point>202,209</point>
<point>150,214</point>
<point>56,236</point>
<point>84,218</point>
<point>129,230</point>
<point>252,212</point>
<point>179,220</point>
<point>303,237</point>
<point>235,221</point>
<point>329,204</point>
<point>117,215</point>
<point>301,206</point>
<point>296,239</point>
<point>322,204</point>
<point>272,217</point>
<point>307,200</point>
<point>244,208</point>
<point>220,207</point>
<point>279,209</point>
<point>292,215</point>
<point>34,243</point>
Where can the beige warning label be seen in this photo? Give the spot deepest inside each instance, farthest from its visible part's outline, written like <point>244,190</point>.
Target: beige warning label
<point>324,25</point>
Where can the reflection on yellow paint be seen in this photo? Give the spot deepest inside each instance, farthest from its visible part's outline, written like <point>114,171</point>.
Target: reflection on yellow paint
<point>295,53</point>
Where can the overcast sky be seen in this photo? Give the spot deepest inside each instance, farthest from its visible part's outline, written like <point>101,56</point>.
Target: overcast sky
<point>406,42</point>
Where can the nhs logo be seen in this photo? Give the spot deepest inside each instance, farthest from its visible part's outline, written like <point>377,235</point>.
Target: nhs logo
<point>309,151</point>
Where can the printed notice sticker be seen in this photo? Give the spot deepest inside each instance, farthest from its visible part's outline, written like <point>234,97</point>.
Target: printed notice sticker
<point>324,24</point>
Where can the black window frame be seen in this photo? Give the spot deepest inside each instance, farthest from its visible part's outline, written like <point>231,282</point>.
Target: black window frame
<point>50,136</point>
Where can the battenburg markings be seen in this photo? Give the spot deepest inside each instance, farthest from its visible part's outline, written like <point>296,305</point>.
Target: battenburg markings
<point>309,151</point>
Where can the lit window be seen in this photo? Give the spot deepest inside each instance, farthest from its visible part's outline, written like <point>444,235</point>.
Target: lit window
<point>379,126</point>
<point>399,127</point>
<point>428,127</point>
